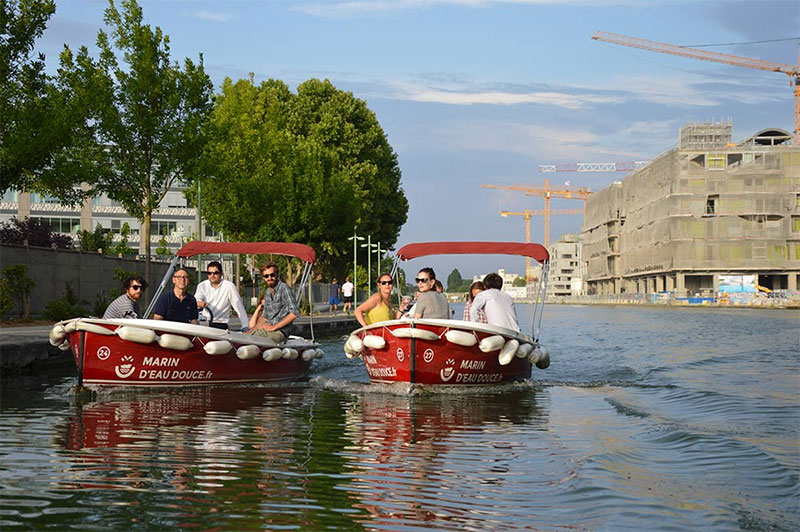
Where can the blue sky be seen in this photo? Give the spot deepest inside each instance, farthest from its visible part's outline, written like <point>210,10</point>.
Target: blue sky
<point>484,91</point>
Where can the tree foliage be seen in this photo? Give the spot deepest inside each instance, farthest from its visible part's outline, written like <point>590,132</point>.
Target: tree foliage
<point>15,290</point>
<point>147,113</point>
<point>305,167</point>
<point>454,280</point>
<point>34,232</point>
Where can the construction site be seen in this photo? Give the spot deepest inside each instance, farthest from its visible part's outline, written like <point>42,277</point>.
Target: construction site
<point>707,217</point>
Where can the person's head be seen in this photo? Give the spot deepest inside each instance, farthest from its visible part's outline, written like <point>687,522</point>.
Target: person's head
<point>385,283</point>
<point>347,279</point>
<point>180,278</point>
<point>493,280</point>
<point>134,286</point>
<point>475,289</point>
<point>270,273</point>
<point>214,272</point>
<point>425,279</point>
<point>335,281</point>
<point>437,284</point>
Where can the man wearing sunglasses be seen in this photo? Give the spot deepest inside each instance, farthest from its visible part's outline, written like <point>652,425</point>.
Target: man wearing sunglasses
<point>127,305</point>
<point>219,295</point>
<point>273,316</point>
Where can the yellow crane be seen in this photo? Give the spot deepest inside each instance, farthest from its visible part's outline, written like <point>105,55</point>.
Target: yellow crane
<point>687,51</point>
<point>527,213</point>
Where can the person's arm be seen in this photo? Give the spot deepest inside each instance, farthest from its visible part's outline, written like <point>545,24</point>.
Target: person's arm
<point>200,295</point>
<point>366,306</point>
<point>256,319</point>
<point>238,305</point>
<point>477,304</point>
<point>195,311</point>
<point>288,319</point>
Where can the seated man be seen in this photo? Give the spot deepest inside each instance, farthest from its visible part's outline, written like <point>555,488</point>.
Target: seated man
<point>177,304</point>
<point>219,296</point>
<point>279,307</point>
<point>127,305</point>
<point>496,304</point>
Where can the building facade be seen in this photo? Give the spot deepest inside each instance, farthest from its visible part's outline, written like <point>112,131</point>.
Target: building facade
<point>706,210</point>
<point>566,267</point>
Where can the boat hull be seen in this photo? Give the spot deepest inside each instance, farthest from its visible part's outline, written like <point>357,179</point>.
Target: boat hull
<point>435,360</point>
<point>106,359</point>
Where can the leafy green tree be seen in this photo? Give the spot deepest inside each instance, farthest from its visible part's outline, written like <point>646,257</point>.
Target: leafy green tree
<point>45,144</point>
<point>520,281</point>
<point>305,167</point>
<point>16,288</point>
<point>147,112</point>
<point>454,280</point>
<point>122,247</point>
<point>97,240</point>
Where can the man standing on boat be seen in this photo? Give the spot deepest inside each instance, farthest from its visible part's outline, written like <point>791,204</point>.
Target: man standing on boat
<point>177,304</point>
<point>219,295</point>
<point>127,305</point>
<point>496,304</point>
<point>279,307</point>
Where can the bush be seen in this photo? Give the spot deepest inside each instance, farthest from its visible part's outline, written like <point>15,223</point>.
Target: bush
<point>34,233</point>
<point>65,308</point>
<point>15,290</point>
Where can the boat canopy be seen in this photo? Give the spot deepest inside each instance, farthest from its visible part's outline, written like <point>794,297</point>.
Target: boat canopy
<point>423,249</point>
<point>196,247</point>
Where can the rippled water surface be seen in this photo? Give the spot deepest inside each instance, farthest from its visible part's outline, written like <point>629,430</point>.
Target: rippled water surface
<point>648,418</point>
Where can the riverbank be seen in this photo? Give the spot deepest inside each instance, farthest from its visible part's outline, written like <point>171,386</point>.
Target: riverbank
<point>26,348</point>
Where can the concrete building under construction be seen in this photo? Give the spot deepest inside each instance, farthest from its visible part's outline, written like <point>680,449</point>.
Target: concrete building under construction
<point>699,214</point>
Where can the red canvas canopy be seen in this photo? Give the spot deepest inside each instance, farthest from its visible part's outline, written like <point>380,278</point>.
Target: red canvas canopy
<point>423,249</point>
<point>301,251</point>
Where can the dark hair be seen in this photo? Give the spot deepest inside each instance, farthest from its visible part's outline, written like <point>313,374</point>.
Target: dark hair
<point>429,271</point>
<point>216,263</point>
<point>492,280</point>
<point>386,274</point>
<point>437,285</point>
<point>127,283</point>
<point>269,265</point>
<point>473,286</point>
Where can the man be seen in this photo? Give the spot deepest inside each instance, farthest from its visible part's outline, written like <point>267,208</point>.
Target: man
<point>177,304</point>
<point>279,307</point>
<point>127,305</point>
<point>496,304</point>
<point>347,294</point>
<point>333,301</point>
<point>219,295</point>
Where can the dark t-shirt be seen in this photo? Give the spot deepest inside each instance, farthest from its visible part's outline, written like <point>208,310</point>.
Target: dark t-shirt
<point>334,290</point>
<point>174,309</point>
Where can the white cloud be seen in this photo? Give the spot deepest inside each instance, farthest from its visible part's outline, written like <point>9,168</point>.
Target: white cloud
<point>208,15</point>
<point>569,101</point>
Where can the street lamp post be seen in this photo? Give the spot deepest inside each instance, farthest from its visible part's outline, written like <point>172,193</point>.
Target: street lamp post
<point>378,254</point>
<point>368,245</point>
<point>355,238</point>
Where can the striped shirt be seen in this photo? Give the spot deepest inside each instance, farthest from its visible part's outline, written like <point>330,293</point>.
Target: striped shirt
<point>123,307</point>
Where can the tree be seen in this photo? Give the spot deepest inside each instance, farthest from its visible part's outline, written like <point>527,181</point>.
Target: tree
<point>454,280</point>
<point>45,144</point>
<point>147,113</point>
<point>34,232</point>
<point>305,167</point>
<point>520,281</point>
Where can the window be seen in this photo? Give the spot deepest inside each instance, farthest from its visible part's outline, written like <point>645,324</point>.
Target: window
<point>61,225</point>
<point>11,196</point>
<point>715,161</point>
<point>43,198</point>
<point>158,227</point>
<point>711,204</point>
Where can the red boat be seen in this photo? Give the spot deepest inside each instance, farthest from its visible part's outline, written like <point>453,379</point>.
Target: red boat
<point>453,352</point>
<point>144,352</point>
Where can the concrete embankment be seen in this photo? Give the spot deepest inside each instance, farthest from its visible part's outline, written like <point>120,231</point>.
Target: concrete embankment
<point>25,349</point>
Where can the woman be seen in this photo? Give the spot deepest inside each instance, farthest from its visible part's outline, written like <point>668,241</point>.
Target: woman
<point>378,307</point>
<point>474,289</point>
<point>430,303</point>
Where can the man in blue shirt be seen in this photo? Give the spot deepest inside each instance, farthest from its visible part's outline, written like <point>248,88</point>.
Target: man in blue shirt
<point>177,304</point>
<point>279,307</point>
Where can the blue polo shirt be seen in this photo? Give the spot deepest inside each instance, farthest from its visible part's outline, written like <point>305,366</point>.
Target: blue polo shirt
<point>174,309</point>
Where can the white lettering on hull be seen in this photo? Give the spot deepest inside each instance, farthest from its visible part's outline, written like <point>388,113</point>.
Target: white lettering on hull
<point>164,362</point>
<point>165,374</point>
<point>473,364</point>
<point>477,378</point>
<point>382,372</point>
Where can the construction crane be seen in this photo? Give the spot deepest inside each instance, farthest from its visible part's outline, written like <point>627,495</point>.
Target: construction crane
<point>546,192</point>
<point>527,213</point>
<point>686,51</point>
<point>628,166</point>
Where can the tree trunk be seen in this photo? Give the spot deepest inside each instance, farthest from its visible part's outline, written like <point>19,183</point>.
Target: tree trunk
<point>145,234</point>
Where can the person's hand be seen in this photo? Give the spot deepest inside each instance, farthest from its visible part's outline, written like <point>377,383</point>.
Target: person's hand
<point>201,303</point>
<point>245,329</point>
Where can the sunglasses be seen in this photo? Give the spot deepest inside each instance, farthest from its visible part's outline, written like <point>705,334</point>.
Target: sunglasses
<point>422,279</point>
<point>137,286</point>
<point>269,276</point>
<point>213,273</point>
<point>385,282</point>
<point>180,276</point>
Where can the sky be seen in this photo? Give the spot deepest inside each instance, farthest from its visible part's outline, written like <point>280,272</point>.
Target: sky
<point>473,92</point>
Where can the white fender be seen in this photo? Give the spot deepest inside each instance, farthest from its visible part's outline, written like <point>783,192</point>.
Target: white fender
<point>93,328</point>
<point>348,351</point>
<point>374,342</point>
<point>492,343</point>
<point>308,354</point>
<point>288,353</point>
<point>461,338</point>
<point>356,345</point>
<point>319,354</point>
<point>57,334</point>
<point>507,352</point>
<point>218,347</point>
<point>70,327</point>
<point>246,352</point>
<point>408,332</point>
<point>137,334</point>
<point>544,358</point>
<point>64,346</point>
<point>174,341</point>
<point>271,354</point>
<point>524,349</point>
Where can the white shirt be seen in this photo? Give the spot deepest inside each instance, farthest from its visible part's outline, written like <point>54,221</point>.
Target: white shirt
<point>347,289</point>
<point>498,307</point>
<point>219,301</point>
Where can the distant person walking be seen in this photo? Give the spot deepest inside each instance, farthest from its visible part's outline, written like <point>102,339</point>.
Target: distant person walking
<point>333,300</point>
<point>347,294</point>
<point>127,305</point>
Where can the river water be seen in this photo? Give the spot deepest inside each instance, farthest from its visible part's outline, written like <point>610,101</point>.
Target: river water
<point>647,419</point>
